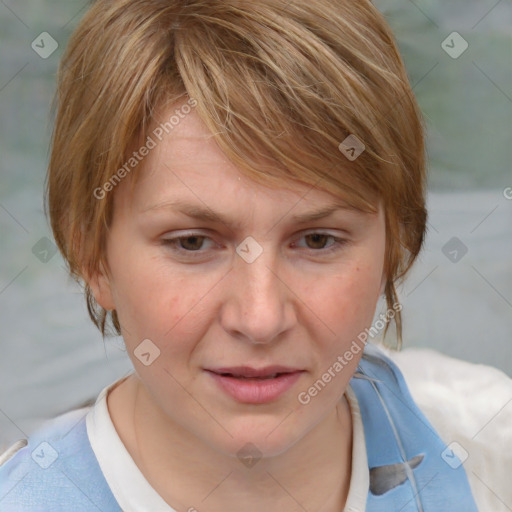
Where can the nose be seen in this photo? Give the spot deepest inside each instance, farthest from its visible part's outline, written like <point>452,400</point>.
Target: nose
<point>258,305</point>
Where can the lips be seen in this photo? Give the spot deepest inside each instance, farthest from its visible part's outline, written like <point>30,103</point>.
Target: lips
<point>255,385</point>
<point>247,372</point>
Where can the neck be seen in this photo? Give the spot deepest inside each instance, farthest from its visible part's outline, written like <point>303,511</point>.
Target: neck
<point>313,474</point>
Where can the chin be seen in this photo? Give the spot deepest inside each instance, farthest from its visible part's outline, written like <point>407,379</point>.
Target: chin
<point>253,438</point>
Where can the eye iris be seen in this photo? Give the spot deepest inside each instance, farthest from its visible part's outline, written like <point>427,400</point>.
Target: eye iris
<point>315,237</point>
<point>193,243</point>
<point>194,246</point>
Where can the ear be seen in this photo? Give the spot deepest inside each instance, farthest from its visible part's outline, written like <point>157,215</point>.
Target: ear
<point>101,287</point>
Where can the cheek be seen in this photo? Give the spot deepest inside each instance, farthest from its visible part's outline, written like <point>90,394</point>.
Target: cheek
<point>353,296</point>
<point>347,306</point>
<point>155,302</point>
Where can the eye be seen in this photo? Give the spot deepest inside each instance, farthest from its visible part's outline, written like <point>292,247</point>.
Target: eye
<point>319,240</point>
<point>189,244</point>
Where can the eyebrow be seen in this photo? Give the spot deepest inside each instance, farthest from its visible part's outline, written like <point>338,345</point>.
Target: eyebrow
<point>204,214</point>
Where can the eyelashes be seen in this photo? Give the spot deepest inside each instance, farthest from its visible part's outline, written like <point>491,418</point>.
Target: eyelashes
<point>179,244</point>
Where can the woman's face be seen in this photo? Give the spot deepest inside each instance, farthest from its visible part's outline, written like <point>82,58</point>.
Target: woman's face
<point>262,287</point>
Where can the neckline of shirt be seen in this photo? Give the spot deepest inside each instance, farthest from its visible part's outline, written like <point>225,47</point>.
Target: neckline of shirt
<point>135,494</point>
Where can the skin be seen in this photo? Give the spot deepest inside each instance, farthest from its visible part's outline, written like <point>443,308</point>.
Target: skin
<point>297,304</point>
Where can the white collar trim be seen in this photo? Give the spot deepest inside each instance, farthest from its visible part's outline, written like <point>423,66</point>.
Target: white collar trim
<point>134,493</point>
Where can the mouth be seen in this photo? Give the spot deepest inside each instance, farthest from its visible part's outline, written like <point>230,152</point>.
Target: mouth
<point>247,372</point>
<point>243,377</point>
<point>255,386</point>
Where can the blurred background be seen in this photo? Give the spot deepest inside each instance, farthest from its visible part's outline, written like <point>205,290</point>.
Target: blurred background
<point>457,299</point>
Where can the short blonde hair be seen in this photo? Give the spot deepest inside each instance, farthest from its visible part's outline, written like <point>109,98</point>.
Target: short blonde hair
<point>279,82</point>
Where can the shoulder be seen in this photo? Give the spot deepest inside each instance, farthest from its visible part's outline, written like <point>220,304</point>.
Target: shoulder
<point>52,430</point>
<point>52,470</point>
<point>470,406</point>
<point>460,397</point>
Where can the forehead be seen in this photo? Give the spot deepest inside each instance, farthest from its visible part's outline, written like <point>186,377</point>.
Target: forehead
<point>180,120</point>
<point>186,160</point>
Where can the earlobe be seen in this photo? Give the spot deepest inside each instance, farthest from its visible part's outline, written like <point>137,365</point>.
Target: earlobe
<point>102,289</point>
